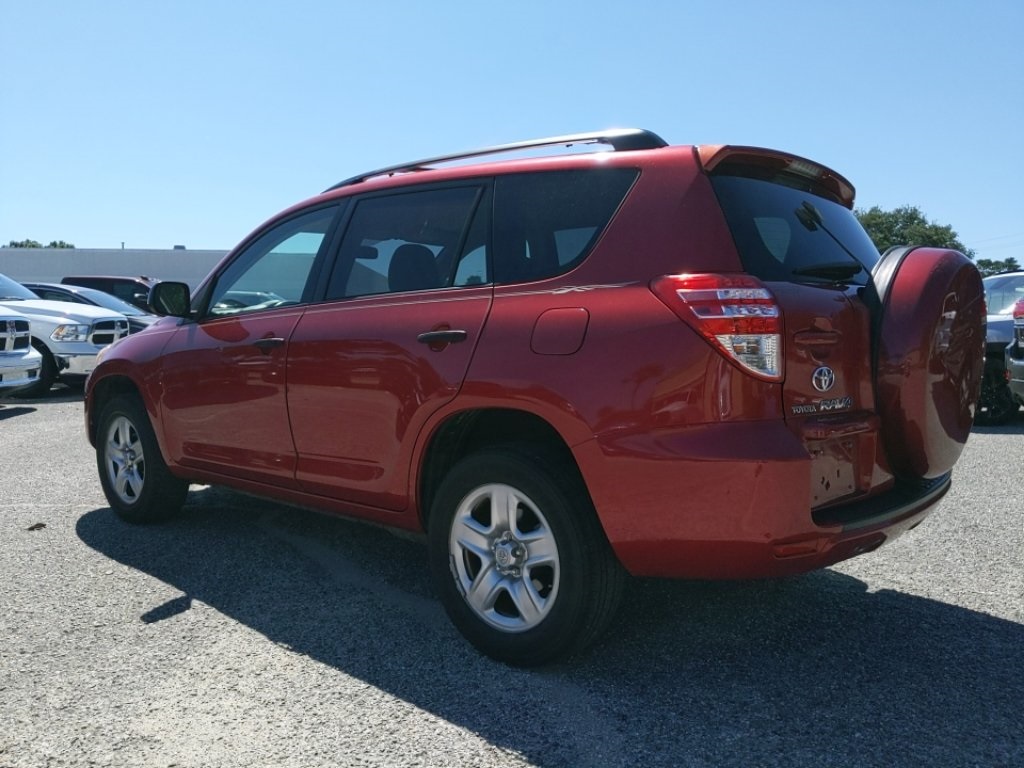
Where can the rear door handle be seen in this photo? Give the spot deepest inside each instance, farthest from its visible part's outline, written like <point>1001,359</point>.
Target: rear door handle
<point>265,345</point>
<point>442,337</point>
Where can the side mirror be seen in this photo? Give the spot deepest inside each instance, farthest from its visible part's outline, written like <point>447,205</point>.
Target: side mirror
<point>170,299</point>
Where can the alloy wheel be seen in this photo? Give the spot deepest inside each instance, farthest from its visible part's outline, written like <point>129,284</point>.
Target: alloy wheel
<point>125,460</point>
<point>504,557</point>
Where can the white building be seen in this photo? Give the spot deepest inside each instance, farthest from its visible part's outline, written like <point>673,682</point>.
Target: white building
<point>51,264</point>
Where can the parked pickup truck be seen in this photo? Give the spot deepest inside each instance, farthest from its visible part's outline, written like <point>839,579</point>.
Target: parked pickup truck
<point>67,336</point>
<point>19,362</point>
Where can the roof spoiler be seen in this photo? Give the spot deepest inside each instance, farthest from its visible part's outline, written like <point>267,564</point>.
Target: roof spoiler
<point>827,180</point>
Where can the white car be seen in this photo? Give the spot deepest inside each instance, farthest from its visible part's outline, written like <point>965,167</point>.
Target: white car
<point>20,363</point>
<point>68,336</point>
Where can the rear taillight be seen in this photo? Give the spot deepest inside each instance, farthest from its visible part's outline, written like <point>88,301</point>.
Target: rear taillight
<point>736,314</point>
<point>1018,312</point>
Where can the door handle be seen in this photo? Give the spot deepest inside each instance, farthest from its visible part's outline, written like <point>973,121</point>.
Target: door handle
<point>265,345</point>
<point>442,337</point>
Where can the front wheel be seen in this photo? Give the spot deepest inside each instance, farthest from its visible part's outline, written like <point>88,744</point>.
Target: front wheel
<point>134,476</point>
<point>519,559</point>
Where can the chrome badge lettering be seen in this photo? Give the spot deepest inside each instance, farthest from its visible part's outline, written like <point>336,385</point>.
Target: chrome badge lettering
<point>823,406</point>
<point>836,404</point>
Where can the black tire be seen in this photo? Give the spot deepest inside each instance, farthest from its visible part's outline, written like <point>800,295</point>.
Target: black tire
<point>47,375</point>
<point>134,476</point>
<point>996,404</point>
<point>540,606</point>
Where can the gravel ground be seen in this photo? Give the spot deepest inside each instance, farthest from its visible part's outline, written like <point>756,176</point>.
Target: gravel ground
<point>246,633</point>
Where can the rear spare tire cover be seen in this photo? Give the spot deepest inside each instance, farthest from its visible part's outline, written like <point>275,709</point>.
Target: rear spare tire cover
<point>930,348</point>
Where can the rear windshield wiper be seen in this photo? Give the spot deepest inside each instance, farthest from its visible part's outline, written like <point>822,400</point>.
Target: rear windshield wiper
<point>838,270</point>
<point>812,220</point>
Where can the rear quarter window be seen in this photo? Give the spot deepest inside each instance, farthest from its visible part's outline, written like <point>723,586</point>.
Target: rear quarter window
<point>546,223</point>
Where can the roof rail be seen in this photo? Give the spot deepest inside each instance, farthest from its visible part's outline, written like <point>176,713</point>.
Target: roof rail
<point>619,139</point>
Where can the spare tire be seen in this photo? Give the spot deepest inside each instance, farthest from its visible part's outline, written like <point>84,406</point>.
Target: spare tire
<point>929,319</point>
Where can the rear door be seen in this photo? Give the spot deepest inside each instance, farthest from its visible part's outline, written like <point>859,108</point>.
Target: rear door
<point>883,353</point>
<point>392,341</point>
<point>813,255</point>
<point>816,259</point>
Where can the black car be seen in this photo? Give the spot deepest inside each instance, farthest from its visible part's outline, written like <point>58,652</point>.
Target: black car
<point>997,404</point>
<point>138,320</point>
<point>134,290</point>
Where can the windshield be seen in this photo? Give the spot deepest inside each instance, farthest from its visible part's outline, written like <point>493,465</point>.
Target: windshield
<point>784,233</point>
<point>105,300</point>
<point>1002,292</point>
<point>12,290</point>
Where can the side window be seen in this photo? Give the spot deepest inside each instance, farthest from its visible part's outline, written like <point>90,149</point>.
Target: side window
<point>411,241</point>
<point>51,295</point>
<point>275,269</point>
<point>547,223</point>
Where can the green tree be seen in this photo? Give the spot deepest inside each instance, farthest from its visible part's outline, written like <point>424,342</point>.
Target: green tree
<point>991,267</point>
<point>908,226</point>
<point>60,244</point>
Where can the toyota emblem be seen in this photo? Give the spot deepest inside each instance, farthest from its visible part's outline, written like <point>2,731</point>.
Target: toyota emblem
<point>823,379</point>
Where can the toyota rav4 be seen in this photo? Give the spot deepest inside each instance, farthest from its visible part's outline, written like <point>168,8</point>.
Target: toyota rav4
<point>673,361</point>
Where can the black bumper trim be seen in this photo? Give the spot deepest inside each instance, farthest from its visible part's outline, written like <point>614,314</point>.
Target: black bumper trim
<point>903,500</point>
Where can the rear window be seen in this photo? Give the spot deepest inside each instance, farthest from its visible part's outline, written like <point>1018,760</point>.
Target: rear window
<point>1002,292</point>
<point>546,223</point>
<point>784,233</point>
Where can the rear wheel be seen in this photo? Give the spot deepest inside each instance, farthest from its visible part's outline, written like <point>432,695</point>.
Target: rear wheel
<point>995,404</point>
<point>133,473</point>
<point>521,564</point>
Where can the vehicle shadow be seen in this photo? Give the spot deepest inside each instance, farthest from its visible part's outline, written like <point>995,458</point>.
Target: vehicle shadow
<point>9,411</point>
<point>810,671</point>
<point>1014,426</point>
<point>60,393</point>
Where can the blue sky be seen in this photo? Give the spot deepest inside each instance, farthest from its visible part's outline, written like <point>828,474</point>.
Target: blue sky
<point>162,123</point>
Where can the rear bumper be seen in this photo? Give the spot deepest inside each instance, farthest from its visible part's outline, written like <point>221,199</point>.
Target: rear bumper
<point>734,501</point>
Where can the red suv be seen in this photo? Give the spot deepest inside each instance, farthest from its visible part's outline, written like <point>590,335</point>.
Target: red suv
<point>683,361</point>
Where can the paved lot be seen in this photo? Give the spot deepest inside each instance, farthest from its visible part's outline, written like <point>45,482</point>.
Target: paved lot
<point>250,634</point>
